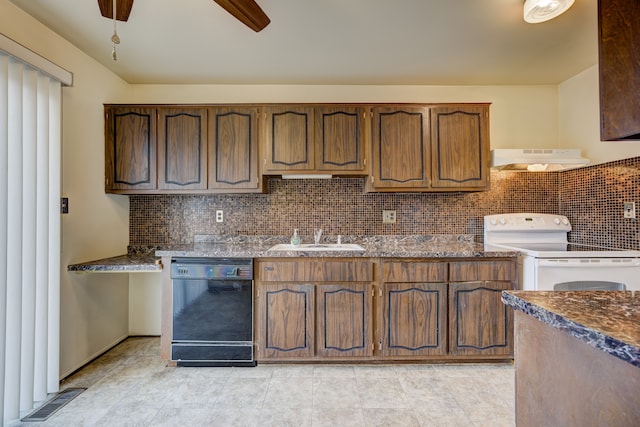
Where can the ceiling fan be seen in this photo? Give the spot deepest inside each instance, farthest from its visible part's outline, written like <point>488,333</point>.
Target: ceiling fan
<point>246,11</point>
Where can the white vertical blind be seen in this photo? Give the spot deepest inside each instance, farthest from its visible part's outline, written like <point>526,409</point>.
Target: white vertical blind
<point>13,308</point>
<point>53,252</point>
<point>30,146</point>
<point>4,203</point>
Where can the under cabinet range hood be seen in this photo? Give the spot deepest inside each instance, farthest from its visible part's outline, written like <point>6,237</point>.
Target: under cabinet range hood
<point>307,176</point>
<point>537,159</point>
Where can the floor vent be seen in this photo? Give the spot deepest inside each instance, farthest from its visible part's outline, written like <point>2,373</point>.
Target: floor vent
<point>53,405</point>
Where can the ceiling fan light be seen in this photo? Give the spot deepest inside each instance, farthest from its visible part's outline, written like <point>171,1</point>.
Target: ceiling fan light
<point>536,11</point>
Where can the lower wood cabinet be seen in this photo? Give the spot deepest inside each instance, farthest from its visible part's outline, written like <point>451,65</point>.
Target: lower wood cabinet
<point>344,320</point>
<point>413,310</point>
<point>333,309</point>
<point>286,321</point>
<point>414,320</point>
<point>314,308</point>
<point>479,323</point>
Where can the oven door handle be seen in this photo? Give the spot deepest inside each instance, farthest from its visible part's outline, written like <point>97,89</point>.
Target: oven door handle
<point>589,263</point>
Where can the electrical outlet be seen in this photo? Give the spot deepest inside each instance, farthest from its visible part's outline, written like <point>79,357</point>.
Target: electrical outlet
<point>219,216</point>
<point>389,217</point>
<point>629,209</point>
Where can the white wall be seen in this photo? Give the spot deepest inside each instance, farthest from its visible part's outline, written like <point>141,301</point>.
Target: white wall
<point>145,303</point>
<point>94,307</point>
<point>579,120</point>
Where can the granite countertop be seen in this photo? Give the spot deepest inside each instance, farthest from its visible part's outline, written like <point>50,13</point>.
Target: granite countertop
<point>142,259</point>
<point>606,320</point>
<point>414,246</point>
<point>130,263</point>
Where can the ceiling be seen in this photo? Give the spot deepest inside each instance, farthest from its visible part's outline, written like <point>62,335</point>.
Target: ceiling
<point>336,42</point>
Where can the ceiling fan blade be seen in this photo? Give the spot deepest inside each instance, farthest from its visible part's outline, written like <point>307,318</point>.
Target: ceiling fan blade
<point>123,9</point>
<point>247,11</point>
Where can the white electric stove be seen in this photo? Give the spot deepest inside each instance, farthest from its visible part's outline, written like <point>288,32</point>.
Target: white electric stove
<point>550,262</point>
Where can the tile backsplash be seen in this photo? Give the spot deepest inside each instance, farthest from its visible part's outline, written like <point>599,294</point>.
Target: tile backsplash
<point>591,197</point>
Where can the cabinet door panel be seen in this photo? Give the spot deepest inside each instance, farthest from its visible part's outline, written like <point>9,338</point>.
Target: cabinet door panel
<point>460,146</point>
<point>415,319</point>
<point>289,139</point>
<point>467,271</point>
<point>233,143</point>
<point>408,271</point>
<point>344,320</point>
<point>130,148</point>
<point>319,270</point>
<point>340,139</point>
<point>182,148</point>
<point>401,147</point>
<point>286,321</point>
<point>480,324</point>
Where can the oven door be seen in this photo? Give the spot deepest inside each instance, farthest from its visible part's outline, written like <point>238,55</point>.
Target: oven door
<point>549,272</point>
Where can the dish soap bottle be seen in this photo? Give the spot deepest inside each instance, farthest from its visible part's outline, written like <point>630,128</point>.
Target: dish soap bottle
<point>295,239</point>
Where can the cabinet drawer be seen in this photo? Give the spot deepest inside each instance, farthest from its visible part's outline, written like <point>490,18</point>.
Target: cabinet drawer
<point>465,271</point>
<point>403,272</point>
<point>323,270</point>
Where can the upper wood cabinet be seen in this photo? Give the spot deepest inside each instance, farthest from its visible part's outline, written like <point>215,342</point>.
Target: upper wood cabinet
<point>130,148</point>
<point>460,147</point>
<point>233,150</point>
<point>308,139</point>
<point>230,149</point>
<point>340,139</point>
<point>182,148</point>
<point>619,46</point>
<point>288,137</point>
<point>400,141</point>
<point>430,148</point>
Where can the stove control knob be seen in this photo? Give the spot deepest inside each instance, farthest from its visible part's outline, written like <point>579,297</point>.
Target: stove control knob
<point>565,221</point>
<point>503,221</point>
<point>493,222</point>
<point>556,221</point>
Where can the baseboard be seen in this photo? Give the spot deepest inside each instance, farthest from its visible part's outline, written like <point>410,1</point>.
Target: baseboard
<point>93,357</point>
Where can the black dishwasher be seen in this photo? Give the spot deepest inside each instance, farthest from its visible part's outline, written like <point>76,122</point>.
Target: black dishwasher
<point>212,312</point>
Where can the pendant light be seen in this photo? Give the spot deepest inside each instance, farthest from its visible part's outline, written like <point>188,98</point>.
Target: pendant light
<point>536,11</point>
<point>114,38</point>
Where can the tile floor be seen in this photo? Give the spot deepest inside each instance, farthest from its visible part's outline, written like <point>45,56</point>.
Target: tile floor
<point>131,386</point>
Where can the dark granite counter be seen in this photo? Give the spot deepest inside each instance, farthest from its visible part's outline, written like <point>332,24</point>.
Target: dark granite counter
<point>415,246</point>
<point>606,320</point>
<point>120,264</point>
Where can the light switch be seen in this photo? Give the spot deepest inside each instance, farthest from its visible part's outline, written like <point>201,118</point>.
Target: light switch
<point>64,205</point>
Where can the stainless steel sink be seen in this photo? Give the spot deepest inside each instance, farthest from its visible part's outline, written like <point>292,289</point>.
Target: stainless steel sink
<point>320,247</point>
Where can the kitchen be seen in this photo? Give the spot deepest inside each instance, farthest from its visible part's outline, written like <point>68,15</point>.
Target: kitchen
<point>97,311</point>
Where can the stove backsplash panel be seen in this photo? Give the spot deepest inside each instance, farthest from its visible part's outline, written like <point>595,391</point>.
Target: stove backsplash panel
<point>339,206</point>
